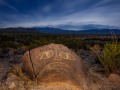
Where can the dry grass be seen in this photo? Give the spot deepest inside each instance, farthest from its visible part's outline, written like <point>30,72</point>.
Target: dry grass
<point>17,70</point>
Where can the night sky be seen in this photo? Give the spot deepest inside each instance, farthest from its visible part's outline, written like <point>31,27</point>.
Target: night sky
<point>59,13</point>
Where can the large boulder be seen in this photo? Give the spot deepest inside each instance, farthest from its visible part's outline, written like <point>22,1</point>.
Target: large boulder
<point>56,63</point>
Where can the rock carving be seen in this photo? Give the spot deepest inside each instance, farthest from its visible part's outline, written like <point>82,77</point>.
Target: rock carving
<point>55,63</point>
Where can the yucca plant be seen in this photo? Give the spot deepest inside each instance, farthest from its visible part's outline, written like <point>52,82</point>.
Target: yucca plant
<point>109,56</point>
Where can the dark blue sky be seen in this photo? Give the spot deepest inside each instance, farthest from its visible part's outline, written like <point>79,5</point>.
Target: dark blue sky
<point>30,13</point>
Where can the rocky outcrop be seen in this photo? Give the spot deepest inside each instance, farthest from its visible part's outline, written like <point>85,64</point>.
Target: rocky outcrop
<point>55,63</point>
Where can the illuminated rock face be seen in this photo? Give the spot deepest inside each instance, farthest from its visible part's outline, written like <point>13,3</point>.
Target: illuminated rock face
<point>55,63</point>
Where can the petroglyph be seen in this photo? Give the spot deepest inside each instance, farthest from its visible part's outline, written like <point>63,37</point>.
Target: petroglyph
<point>57,55</point>
<point>55,63</point>
<point>66,55</point>
<point>47,54</point>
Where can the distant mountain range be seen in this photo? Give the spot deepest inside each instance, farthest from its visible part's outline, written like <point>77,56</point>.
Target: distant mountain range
<point>85,26</point>
<point>90,31</point>
<point>19,29</point>
<point>50,30</point>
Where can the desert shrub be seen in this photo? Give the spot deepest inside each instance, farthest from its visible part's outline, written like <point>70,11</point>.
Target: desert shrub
<point>4,38</point>
<point>16,70</point>
<point>43,40</point>
<point>8,44</point>
<point>72,43</point>
<point>23,48</point>
<point>109,57</point>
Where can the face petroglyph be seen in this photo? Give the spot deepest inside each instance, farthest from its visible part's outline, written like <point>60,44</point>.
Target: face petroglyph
<point>56,54</point>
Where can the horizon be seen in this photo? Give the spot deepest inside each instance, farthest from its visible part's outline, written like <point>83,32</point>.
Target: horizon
<point>67,14</point>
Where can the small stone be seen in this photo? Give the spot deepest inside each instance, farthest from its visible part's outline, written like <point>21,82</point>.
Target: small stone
<point>11,85</point>
<point>11,77</point>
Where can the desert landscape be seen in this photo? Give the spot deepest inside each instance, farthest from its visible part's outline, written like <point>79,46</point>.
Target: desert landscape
<point>59,44</point>
<point>76,68</point>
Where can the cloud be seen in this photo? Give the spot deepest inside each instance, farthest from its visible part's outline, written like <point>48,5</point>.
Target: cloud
<point>59,12</point>
<point>8,5</point>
